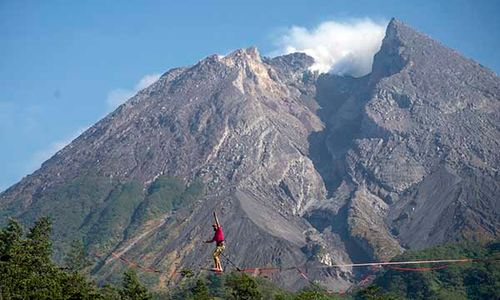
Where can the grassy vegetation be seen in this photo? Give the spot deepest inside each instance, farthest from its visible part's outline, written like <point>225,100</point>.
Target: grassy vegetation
<point>116,216</point>
<point>69,206</point>
<point>102,211</point>
<point>164,195</point>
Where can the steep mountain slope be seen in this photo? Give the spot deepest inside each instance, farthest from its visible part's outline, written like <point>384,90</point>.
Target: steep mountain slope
<point>433,141</point>
<point>236,124</point>
<point>303,169</point>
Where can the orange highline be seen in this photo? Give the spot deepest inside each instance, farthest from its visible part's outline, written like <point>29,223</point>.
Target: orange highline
<point>368,264</point>
<point>411,262</point>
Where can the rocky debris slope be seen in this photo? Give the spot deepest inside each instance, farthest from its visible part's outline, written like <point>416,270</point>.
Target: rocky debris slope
<point>416,143</point>
<point>434,120</point>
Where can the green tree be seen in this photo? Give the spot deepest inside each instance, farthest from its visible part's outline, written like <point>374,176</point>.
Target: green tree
<point>26,269</point>
<point>282,296</point>
<point>313,292</point>
<point>216,285</point>
<point>31,271</point>
<point>132,288</point>
<point>10,246</point>
<point>76,286</point>
<point>76,259</point>
<point>200,290</point>
<point>10,239</point>
<point>110,292</point>
<point>374,293</point>
<point>478,280</point>
<point>38,242</point>
<point>243,287</point>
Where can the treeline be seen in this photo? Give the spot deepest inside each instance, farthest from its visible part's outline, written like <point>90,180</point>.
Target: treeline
<point>27,272</point>
<point>241,286</point>
<point>471,280</point>
<point>468,280</point>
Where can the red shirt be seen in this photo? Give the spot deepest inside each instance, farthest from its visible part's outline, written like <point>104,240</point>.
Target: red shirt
<point>219,235</point>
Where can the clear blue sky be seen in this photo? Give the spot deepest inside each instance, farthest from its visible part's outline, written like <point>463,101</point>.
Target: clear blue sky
<point>59,60</point>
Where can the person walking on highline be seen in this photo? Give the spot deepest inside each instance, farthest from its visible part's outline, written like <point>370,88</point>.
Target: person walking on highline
<point>219,244</point>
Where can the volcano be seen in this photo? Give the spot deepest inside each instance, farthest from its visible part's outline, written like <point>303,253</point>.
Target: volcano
<point>303,169</point>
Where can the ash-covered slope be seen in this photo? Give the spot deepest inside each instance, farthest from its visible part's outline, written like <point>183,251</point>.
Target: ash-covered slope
<point>443,111</point>
<point>302,169</point>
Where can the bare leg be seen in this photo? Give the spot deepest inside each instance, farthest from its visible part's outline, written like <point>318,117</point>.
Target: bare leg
<point>217,253</point>
<point>216,257</point>
<point>219,265</point>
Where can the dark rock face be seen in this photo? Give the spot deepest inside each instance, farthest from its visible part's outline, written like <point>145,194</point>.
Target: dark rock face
<point>303,169</point>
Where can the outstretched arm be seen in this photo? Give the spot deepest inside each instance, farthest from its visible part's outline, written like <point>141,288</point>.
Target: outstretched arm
<point>216,220</point>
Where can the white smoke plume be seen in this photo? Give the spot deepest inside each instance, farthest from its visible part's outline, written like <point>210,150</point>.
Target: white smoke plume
<point>344,48</point>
